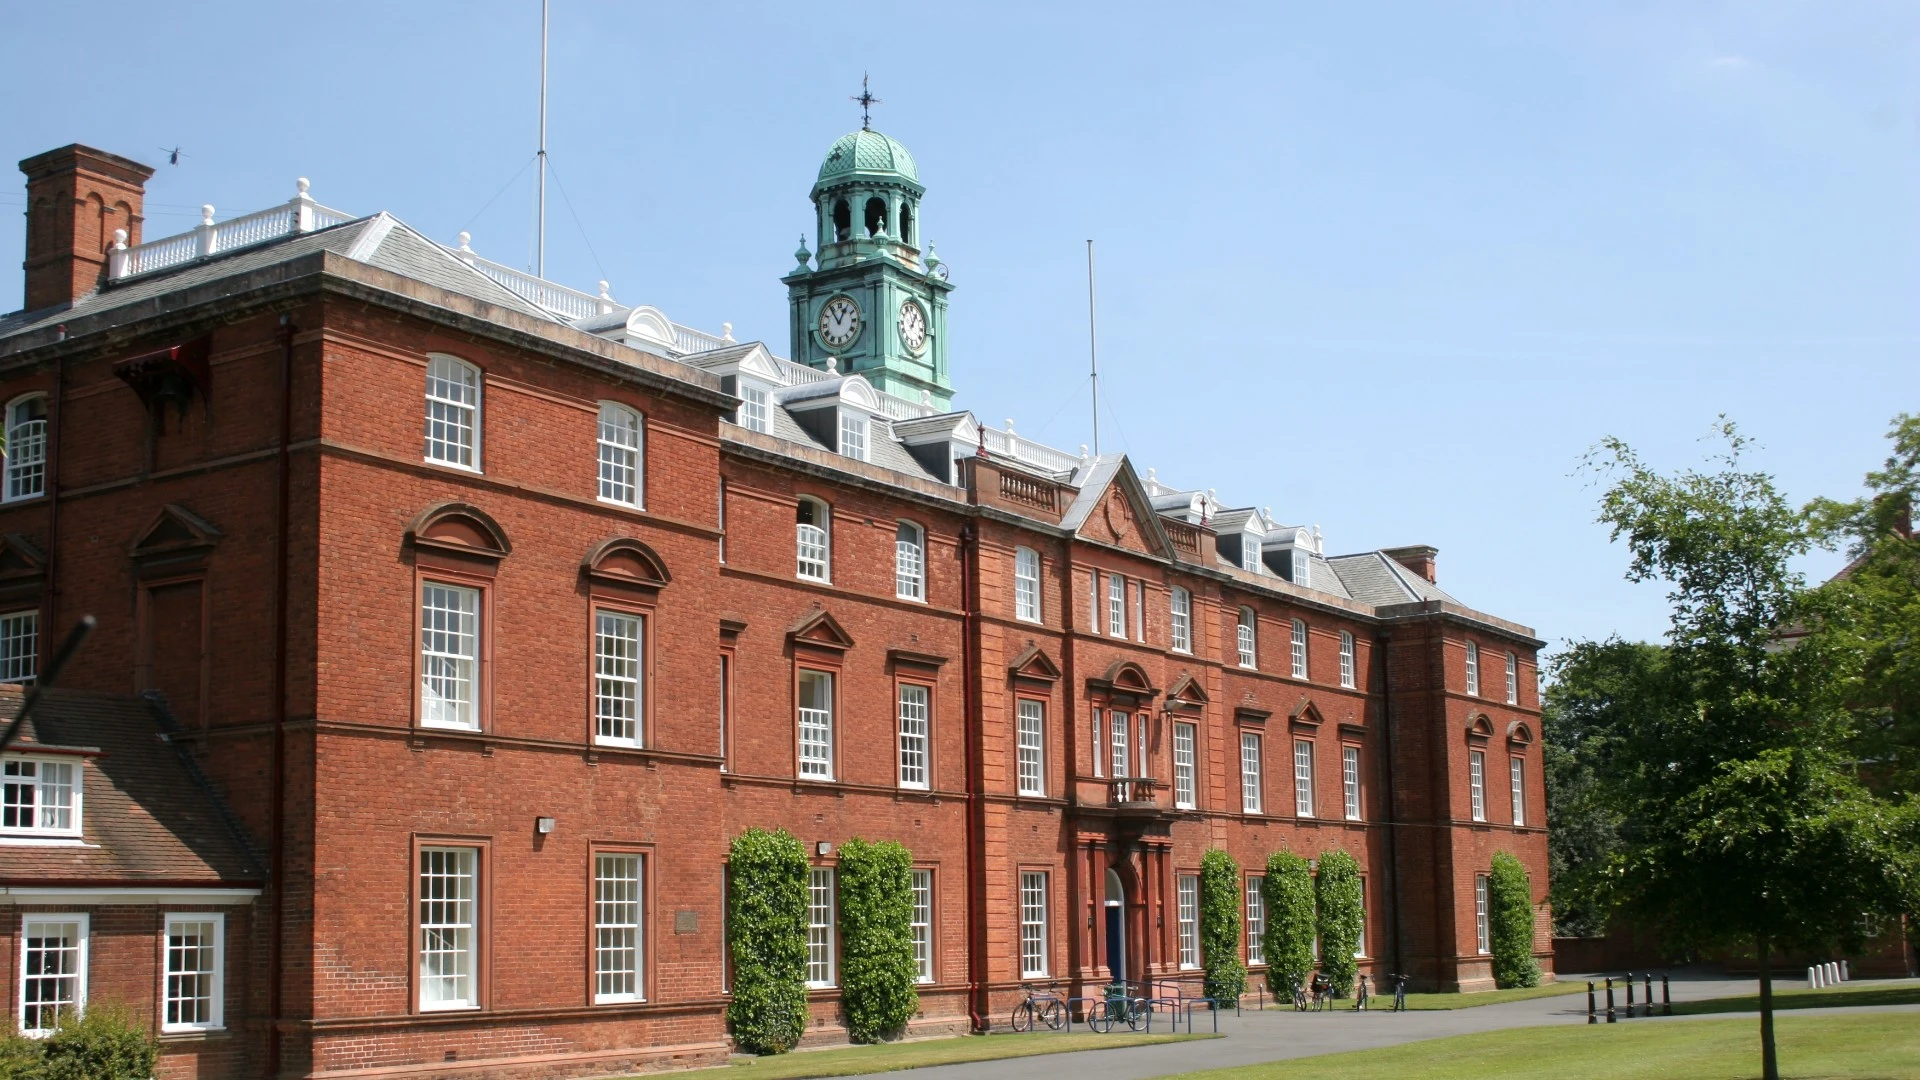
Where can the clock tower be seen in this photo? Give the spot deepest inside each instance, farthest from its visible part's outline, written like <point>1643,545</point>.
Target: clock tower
<point>868,297</point>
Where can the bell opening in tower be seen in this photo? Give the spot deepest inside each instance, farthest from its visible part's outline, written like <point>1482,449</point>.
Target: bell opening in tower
<point>906,224</point>
<point>876,216</point>
<point>842,221</point>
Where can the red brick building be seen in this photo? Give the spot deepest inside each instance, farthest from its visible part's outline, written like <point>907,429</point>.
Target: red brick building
<point>492,610</point>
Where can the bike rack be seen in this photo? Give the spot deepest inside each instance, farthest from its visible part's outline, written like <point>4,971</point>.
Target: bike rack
<point>1212,1006</point>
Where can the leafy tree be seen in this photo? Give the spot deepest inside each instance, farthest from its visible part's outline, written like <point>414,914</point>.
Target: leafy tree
<point>1729,784</point>
<point>767,934</point>
<point>102,1043</point>
<point>1510,922</point>
<point>1286,892</point>
<point>1220,926</point>
<point>1875,604</point>
<point>1341,920</point>
<point>19,1056</point>
<point>877,968</point>
<point>1597,692</point>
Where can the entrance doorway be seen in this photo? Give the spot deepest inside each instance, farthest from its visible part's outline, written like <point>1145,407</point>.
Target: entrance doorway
<point>1116,913</point>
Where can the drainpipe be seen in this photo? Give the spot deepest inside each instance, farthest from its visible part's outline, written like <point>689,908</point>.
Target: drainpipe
<point>49,602</point>
<point>278,798</point>
<point>978,1004</point>
<point>1382,641</point>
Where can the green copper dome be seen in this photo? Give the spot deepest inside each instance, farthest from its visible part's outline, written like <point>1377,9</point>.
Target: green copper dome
<point>867,151</point>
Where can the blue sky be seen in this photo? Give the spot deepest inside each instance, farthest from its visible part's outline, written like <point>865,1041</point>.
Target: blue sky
<point>1388,269</point>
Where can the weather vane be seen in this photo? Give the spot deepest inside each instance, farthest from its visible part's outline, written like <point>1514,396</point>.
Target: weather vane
<point>866,101</point>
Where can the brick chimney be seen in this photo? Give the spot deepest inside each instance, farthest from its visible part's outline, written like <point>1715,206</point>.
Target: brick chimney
<point>76,198</point>
<point>1418,558</point>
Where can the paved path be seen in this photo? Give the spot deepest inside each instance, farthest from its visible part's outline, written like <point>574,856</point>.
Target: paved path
<point>1256,1037</point>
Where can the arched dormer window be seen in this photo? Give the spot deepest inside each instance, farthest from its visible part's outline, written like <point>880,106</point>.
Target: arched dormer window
<point>1249,654</point>
<point>453,412</point>
<point>876,216</point>
<point>813,540</point>
<point>909,561</point>
<point>622,455</point>
<point>26,447</point>
<point>842,221</point>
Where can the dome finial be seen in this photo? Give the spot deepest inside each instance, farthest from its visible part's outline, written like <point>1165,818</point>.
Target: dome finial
<point>866,101</point>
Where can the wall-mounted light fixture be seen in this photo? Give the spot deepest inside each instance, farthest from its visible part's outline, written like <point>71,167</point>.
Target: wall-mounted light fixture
<point>824,847</point>
<point>543,825</point>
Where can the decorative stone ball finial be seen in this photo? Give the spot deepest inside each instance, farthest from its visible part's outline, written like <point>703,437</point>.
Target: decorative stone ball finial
<point>1010,430</point>
<point>120,239</point>
<point>1083,451</point>
<point>206,214</point>
<point>604,294</point>
<point>303,184</point>
<point>833,364</point>
<point>1153,475</point>
<point>466,240</point>
<point>926,396</point>
<point>726,331</point>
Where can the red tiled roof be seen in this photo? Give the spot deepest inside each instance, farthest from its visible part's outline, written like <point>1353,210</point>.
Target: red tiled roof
<point>146,816</point>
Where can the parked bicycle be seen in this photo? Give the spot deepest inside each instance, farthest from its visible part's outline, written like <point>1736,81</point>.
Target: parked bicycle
<point>1299,994</point>
<point>1322,992</point>
<point>1042,1006</point>
<point>1118,1007</point>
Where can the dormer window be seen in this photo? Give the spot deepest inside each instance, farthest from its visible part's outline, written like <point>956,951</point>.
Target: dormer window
<point>1250,553</point>
<point>753,408</point>
<point>26,448</point>
<point>39,797</point>
<point>1302,569</point>
<point>811,540</point>
<point>853,435</point>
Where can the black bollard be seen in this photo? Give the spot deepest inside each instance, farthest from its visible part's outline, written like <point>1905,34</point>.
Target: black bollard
<point>1591,1018</point>
<point>1629,995</point>
<point>1649,1011</point>
<point>1666,996</point>
<point>1610,999</point>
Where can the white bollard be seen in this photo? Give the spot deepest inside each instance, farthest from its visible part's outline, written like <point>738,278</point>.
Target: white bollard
<point>1844,973</point>
<point>1811,985</point>
<point>1833,973</point>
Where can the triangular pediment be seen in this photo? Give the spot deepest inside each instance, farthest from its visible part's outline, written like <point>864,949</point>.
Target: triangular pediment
<point>1187,690</point>
<point>1032,663</point>
<point>20,558</point>
<point>175,528</point>
<point>1121,514</point>
<point>1306,712</point>
<point>822,631</point>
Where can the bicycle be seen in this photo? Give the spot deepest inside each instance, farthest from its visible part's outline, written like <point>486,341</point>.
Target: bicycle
<point>1042,1006</point>
<point>1299,996</point>
<point>1322,992</point>
<point>1117,1007</point>
<point>1399,992</point>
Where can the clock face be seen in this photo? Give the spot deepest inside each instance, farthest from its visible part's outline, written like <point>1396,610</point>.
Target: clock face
<point>839,322</point>
<point>913,326</point>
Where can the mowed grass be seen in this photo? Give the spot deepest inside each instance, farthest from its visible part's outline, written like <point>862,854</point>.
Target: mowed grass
<point>1866,1047</point>
<point>887,1057</point>
<point>1892,992</point>
<point>1486,997</point>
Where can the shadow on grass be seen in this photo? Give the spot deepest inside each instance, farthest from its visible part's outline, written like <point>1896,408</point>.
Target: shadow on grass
<point>888,1057</point>
<point>1907,994</point>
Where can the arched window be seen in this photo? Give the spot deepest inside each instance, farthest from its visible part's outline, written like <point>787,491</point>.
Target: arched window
<point>813,540</point>
<point>453,412</point>
<point>622,454</point>
<point>842,221</point>
<point>1248,652</point>
<point>909,562</point>
<point>26,447</point>
<point>876,216</point>
<point>906,223</point>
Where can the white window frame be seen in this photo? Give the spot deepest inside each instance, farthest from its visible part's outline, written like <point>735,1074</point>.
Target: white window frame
<point>1250,768</point>
<point>75,1002</point>
<point>619,678</point>
<point>909,561</point>
<point>20,646</point>
<point>1346,659</point>
<point>1099,748</point>
<point>1299,648</point>
<point>813,543</point>
<point>1030,745</point>
<point>1350,781</point>
<point>26,451</point>
<point>1513,679</point>
<point>463,935</point>
<point>1256,921</point>
<point>1180,620</point>
<point>915,711</point>
<point>1360,945</point>
<point>853,435</point>
<point>1481,943</point>
<point>1473,670</point>
<point>455,396</point>
<point>1250,553</point>
<point>1247,637</point>
<point>823,930</point>
<point>1117,732</point>
<point>1034,918</point>
<point>1185,736</point>
<point>1477,782</point>
<point>753,414</point>
<point>619,919</point>
<point>450,622</point>
<point>1093,603</point>
<point>622,446</point>
<point>56,787</point>
<point>1026,584</point>
<point>814,725</point>
<point>1303,777</point>
<point>172,982</point>
<point>920,926</point>
<point>1116,606</point>
<point>1140,611</point>
<point>1517,780</point>
<point>1187,894</point>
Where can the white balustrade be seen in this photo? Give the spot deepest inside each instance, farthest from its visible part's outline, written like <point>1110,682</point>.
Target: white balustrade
<point>1023,449</point>
<point>299,214</point>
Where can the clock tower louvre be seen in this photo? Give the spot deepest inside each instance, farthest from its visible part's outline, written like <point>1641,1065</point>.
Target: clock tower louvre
<point>864,294</point>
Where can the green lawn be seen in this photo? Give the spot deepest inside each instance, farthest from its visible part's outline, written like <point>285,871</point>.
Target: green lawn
<point>886,1057</point>
<point>1486,997</point>
<point>1902,992</point>
<point>1869,1047</point>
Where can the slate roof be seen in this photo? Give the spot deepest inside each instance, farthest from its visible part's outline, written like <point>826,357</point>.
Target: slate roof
<point>147,816</point>
<point>1373,578</point>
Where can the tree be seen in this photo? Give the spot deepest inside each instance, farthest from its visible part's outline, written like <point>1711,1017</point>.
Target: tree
<point>1341,919</point>
<point>877,968</point>
<point>1510,923</point>
<point>767,936</point>
<point>1729,785</point>
<point>1286,894</point>
<point>1220,926</point>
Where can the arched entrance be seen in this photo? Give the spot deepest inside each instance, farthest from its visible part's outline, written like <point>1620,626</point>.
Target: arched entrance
<point>1116,925</point>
